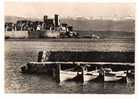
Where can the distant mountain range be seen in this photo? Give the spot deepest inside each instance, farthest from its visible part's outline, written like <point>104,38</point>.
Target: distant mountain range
<point>127,25</point>
<point>15,18</point>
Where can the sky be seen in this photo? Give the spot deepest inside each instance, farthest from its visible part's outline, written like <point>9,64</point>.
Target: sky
<point>70,9</point>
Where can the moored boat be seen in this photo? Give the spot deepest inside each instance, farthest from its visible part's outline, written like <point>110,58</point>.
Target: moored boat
<point>112,76</point>
<point>67,75</point>
<point>91,75</point>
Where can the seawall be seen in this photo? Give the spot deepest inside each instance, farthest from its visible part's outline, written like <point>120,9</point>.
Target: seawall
<point>16,34</point>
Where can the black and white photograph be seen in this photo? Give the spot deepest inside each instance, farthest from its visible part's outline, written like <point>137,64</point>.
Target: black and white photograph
<point>69,47</point>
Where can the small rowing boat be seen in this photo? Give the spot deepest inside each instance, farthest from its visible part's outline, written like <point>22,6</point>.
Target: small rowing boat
<point>112,76</point>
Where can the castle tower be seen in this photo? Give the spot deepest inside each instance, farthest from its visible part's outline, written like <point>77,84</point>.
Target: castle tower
<point>56,19</point>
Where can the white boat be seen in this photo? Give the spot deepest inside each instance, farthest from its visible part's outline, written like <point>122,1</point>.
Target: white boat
<point>91,75</point>
<point>110,76</point>
<point>66,75</point>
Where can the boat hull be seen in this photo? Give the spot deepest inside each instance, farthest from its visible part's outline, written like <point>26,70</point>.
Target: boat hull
<point>114,79</point>
<point>67,75</point>
<point>89,76</point>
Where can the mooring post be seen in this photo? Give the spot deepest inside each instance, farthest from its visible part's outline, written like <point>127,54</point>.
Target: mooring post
<point>101,74</point>
<point>54,71</point>
<point>82,74</point>
<point>57,73</point>
<point>101,70</point>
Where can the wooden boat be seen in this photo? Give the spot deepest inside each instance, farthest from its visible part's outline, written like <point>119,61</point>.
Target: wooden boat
<point>110,76</point>
<point>66,75</point>
<point>91,75</point>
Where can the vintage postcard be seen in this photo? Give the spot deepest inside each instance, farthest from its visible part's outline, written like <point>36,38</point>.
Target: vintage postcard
<point>69,47</point>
